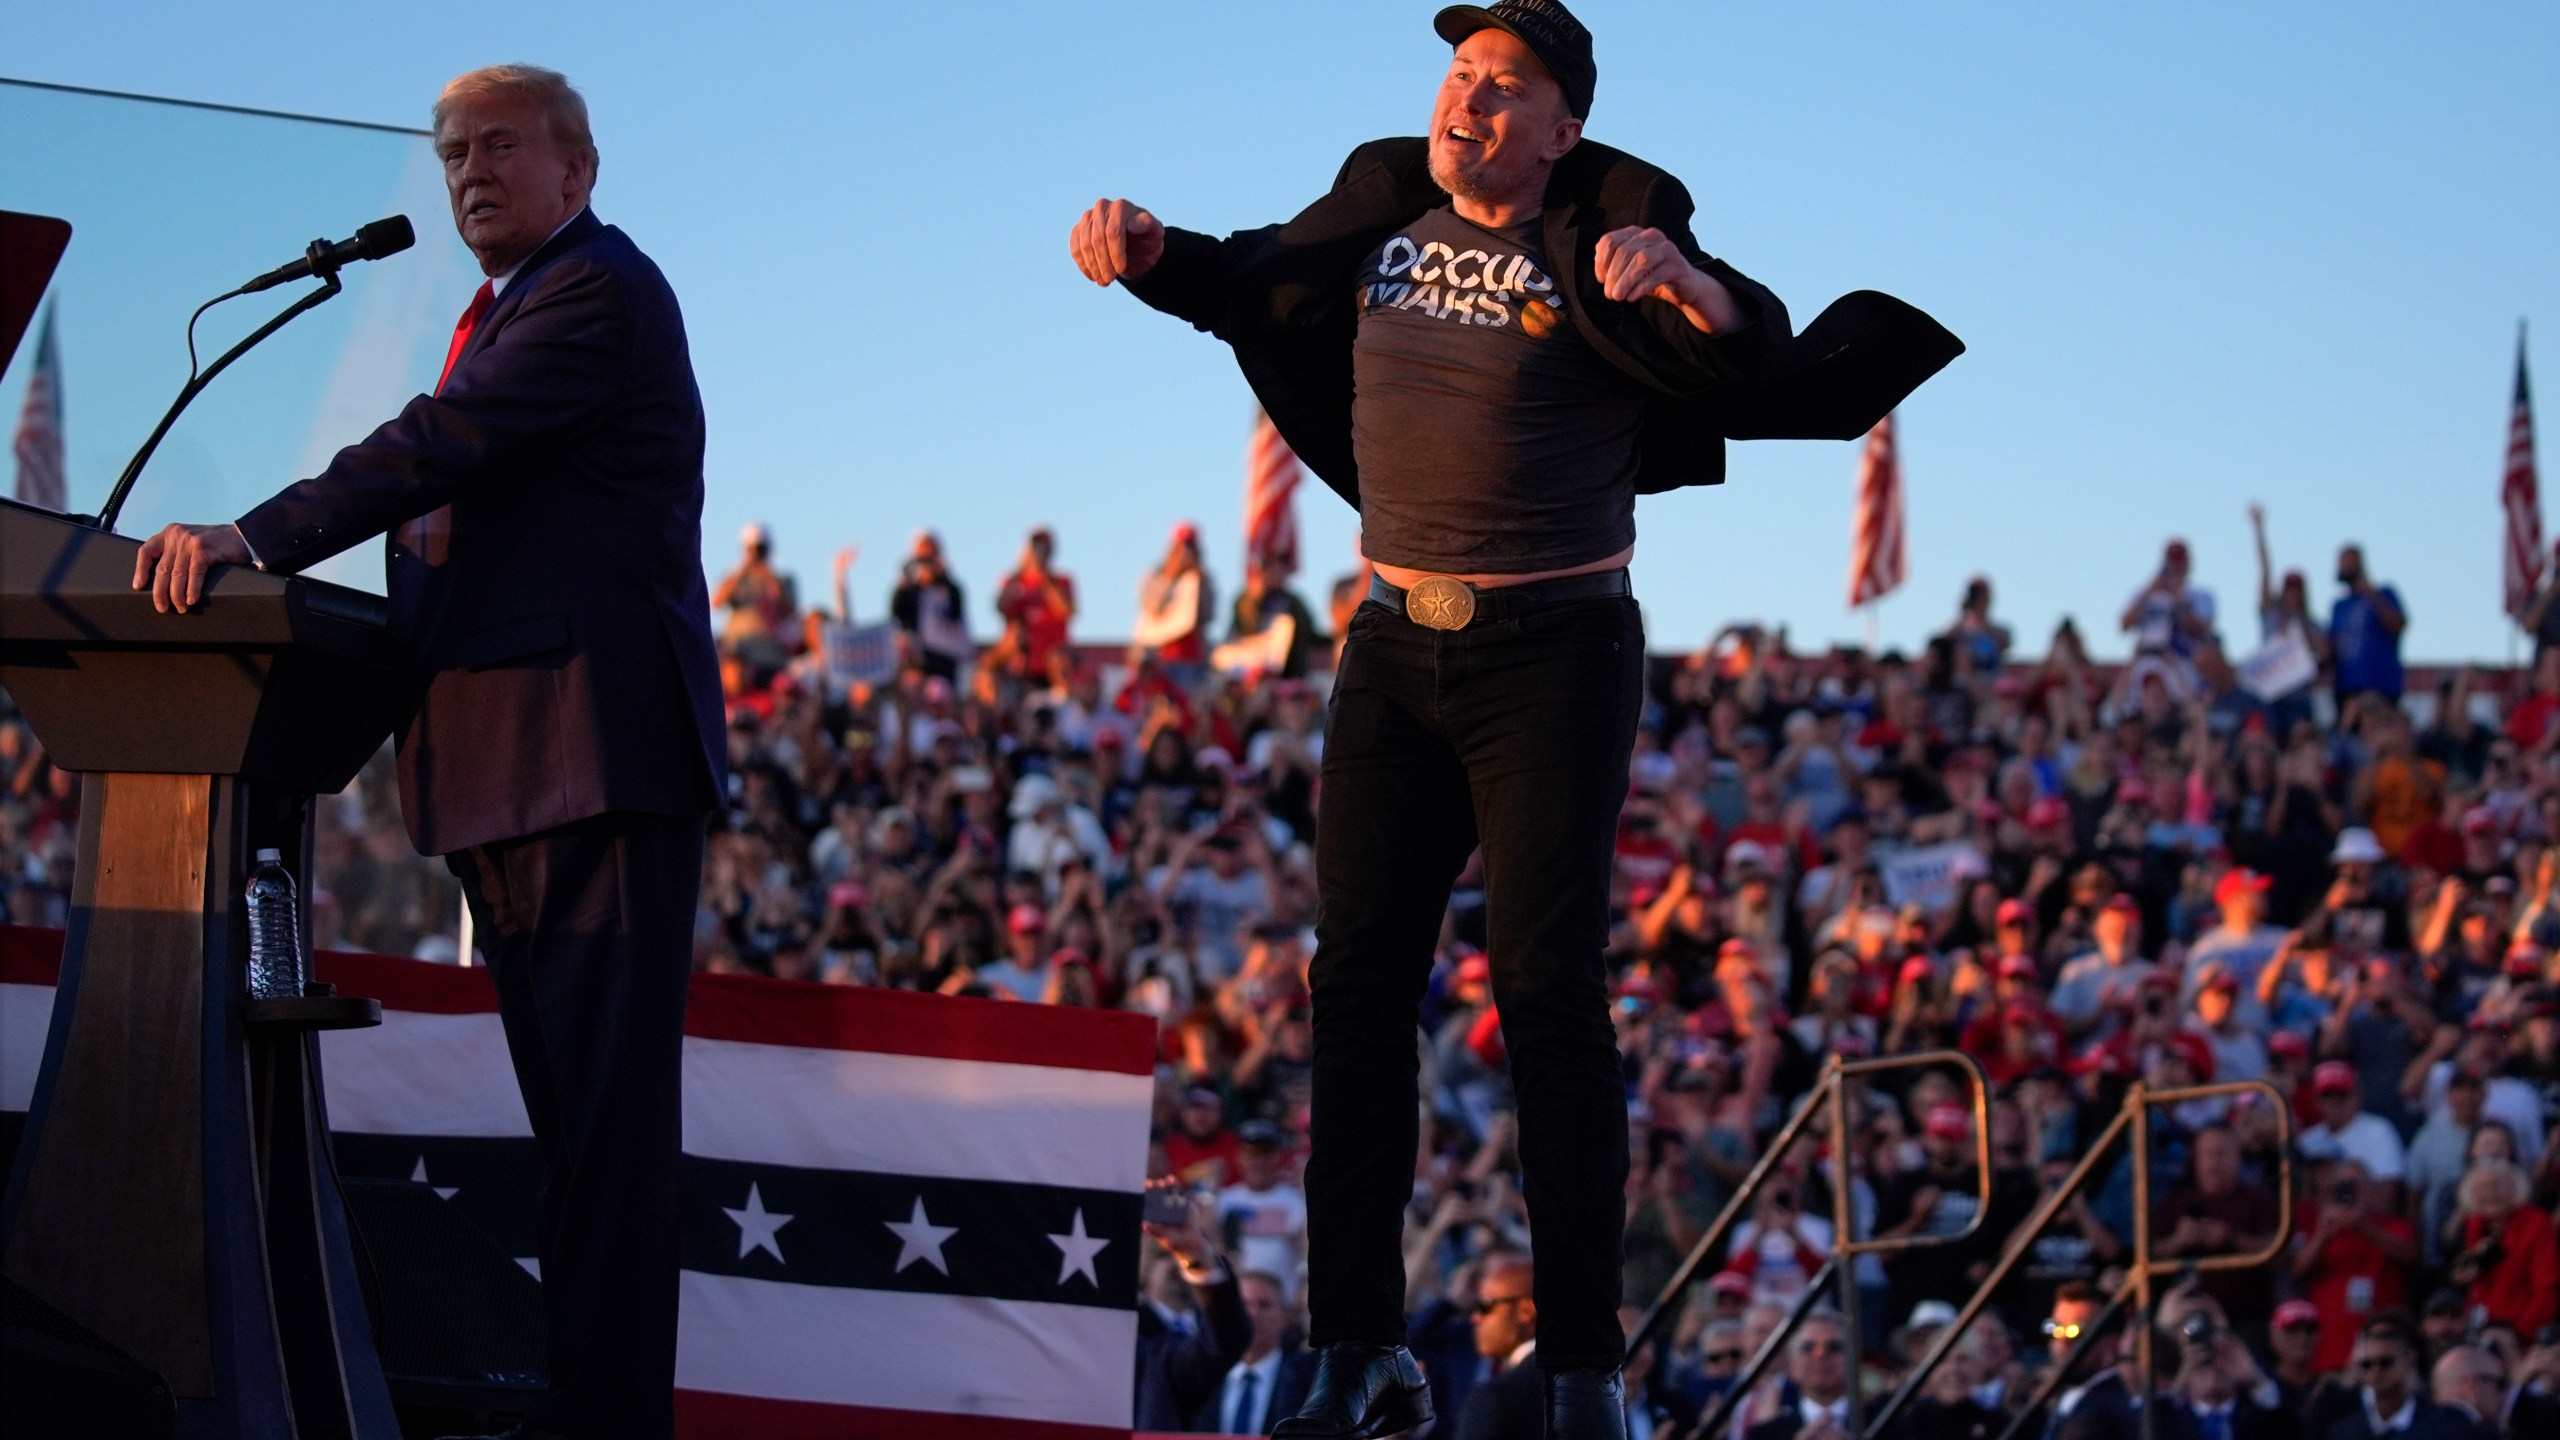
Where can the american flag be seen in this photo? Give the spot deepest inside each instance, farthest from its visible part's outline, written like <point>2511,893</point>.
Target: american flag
<point>1875,528</point>
<point>39,442</point>
<point>1271,474</point>
<point>906,1215</point>
<point>2521,493</point>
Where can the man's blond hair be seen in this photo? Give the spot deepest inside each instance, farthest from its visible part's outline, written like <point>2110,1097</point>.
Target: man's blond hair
<point>563,108</point>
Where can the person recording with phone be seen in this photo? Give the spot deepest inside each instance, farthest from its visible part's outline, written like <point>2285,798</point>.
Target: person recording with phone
<point>1183,1357</point>
<point>2353,1264</point>
<point>2220,1385</point>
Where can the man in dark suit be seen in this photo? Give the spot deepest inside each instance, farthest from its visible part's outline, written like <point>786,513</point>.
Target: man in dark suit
<point>1818,1363</point>
<point>2389,1406</point>
<point>1180,1366</point>
<point>2099,1402</point>
<point>566,738</point>
<point>1509,1401</point>
<point>1490,340</point>
<point>1269,1381</point>
<point>2221,1393</point>
<point>2472,1379</point>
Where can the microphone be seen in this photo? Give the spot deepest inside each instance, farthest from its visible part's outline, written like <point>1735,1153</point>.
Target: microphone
<point>382,237</point>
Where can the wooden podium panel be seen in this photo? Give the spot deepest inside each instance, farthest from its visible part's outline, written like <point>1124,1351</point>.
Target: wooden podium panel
<point>122,1247</point>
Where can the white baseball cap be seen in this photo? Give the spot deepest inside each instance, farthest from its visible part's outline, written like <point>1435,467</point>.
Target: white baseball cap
<point>2356,846</point>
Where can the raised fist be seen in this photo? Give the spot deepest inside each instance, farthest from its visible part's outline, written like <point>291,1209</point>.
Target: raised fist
<point>1116,240</point>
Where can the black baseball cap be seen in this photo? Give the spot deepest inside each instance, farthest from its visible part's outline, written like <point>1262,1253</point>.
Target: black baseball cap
<point>1547,28</point>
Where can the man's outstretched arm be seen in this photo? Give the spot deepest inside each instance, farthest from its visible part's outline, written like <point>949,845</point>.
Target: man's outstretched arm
<point>1183,273</point>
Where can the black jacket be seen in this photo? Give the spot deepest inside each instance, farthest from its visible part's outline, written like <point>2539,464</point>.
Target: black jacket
<point>1510,1406</point>
<point>1283,297</point>
<point>2432,1422</point>
<point>560,653</point>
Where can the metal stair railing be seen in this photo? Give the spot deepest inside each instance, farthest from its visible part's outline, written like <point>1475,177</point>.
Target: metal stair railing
<point>1830,1098</point>
<point>2134,1118</point>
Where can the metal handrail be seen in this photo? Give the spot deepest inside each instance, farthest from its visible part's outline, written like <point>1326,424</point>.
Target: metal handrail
<point>1829,1097</point>
<point>2134,1115</point>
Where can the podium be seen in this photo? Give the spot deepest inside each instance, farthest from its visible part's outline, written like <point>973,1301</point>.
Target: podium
<point>175,1246</point>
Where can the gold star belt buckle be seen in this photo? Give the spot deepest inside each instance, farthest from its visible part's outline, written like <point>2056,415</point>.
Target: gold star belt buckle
<point>1440,603</point>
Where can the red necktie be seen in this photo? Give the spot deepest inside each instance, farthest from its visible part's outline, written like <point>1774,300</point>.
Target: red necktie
<point>481,300</point>
<point>425,536</point>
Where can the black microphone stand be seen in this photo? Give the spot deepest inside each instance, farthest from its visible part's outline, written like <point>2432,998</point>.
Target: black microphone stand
<point>329,285</point>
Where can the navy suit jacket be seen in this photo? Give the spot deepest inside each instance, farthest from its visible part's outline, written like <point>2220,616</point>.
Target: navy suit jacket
<point>1180,1370</point>
<point>1288,1390</point>
<point>561,663</point>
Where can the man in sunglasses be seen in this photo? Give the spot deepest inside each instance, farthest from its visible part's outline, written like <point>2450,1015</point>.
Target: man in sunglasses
<point>2096,1402</point>
<point>2386,1375</point>
<point>1818,1363</point>
<point>1511,1400</point>
<point>2293,1338</point>
<point>1720,1357</point>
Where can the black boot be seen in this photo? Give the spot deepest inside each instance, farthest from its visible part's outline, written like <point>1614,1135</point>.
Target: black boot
<point>1586,1405</point>
<point>1362,1391</point>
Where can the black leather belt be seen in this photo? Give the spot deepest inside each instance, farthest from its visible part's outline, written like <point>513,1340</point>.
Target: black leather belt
<point>1443,602</point>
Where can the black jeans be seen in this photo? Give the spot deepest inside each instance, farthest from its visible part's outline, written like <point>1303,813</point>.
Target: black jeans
<point>589,934</point>
<point>1513,734</point>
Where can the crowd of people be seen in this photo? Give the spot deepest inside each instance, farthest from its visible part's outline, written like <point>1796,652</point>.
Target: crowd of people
<point>2253,857</point>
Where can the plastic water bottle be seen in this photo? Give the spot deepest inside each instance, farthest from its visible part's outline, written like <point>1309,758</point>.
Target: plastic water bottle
<point>275,931</point>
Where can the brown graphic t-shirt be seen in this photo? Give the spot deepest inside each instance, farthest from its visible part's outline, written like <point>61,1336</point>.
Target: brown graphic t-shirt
<point>1491,438</point>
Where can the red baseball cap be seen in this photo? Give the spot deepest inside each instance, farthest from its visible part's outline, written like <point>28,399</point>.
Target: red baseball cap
<point>1475,969</point>
<point>2296,1312</point>
<point>2014,911</point>
<point>2214,976</point>
<point>2480,821</point>
<point>2288,1044</point>
<point>2525,958</point>
<point>1916,968</point>
<point>1026,920</point>
<point>2121,904</point>
<point>2334,1077</point>
<point>1738,948</point>
<point>2047,813</point>
<point>2191,1047</point>
<point>1947,1122</point>
<point>2105,1058</point>
<point>1728,1283</point>
<point>2235,883</point>
<point>2018,967</point>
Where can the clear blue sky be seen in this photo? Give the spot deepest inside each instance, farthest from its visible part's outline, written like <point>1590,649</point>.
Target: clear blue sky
<point>2202,254</point>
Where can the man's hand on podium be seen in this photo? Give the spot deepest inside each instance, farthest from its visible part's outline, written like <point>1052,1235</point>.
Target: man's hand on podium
<point>174,562</point>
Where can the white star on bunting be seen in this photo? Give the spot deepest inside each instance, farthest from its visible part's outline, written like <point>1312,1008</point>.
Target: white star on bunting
<point>758,1228</point>
<point>1076,1250</point>
<point>920,1239</point>
<point>419,1177</point>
